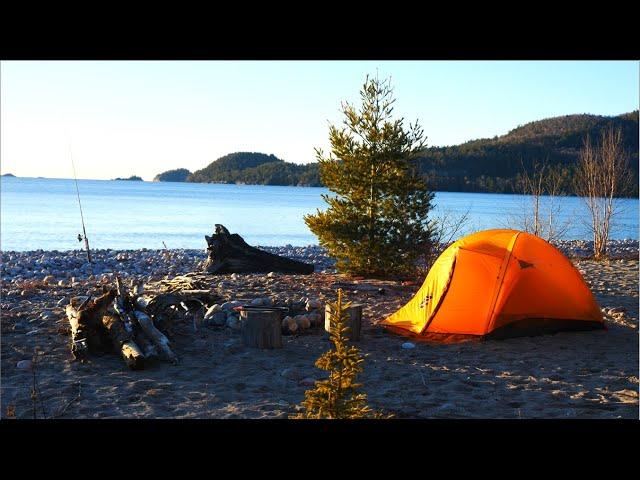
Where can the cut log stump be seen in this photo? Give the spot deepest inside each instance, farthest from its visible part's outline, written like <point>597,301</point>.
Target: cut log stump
<point>354,321</point>
<point>261,328</point>
<point>229,253</point>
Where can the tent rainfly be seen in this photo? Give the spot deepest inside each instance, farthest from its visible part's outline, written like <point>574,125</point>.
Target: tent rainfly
<point>499,284</point>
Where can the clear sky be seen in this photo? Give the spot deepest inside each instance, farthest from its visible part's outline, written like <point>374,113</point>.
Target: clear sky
<point>141,118</point>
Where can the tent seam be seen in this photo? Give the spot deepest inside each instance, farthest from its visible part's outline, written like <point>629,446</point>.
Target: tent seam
<point>501,276</point>
<point>444,294</point>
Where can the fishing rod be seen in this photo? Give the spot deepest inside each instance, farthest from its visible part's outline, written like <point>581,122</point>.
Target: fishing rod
<point>84,231</point>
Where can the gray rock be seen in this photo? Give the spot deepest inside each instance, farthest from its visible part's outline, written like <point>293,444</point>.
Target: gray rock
<point>46,315</point>
<point>24,364</point>
<point>408,345</point>
<point>312,304</point>
<point>218,319</point>
<point>307,382</point>
<point>226,306</point>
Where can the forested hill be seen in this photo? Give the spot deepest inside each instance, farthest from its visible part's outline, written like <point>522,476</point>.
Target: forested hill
<point>177,175</point>
<point>492,165</point>
<point>485,165</point>
<point>258,169</point>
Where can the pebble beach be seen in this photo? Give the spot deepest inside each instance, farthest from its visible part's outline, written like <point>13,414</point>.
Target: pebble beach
<point>565,375</point>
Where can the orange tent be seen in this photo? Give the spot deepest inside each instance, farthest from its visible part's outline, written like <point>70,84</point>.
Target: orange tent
<point>499,283</point>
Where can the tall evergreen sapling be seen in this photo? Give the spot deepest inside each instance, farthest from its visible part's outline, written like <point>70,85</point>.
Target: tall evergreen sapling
<point>377,223</point>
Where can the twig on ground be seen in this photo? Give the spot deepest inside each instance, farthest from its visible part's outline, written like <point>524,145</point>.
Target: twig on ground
<point>70,402</point>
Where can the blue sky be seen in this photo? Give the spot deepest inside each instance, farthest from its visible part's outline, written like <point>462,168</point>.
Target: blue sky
<point>141,118</point>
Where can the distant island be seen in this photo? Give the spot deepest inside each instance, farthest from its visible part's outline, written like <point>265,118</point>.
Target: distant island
<point>8,175</point>
<point>177,175</point>
<point>133,178</point>
<point>489,165</point>
<point>248,168</point>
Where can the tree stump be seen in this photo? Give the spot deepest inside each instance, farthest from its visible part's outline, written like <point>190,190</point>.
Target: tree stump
<point>354,321</point>
<point>229,253</point>
<point>261,328</point>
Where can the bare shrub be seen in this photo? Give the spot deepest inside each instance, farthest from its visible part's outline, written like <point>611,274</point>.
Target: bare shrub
<point>602,176</point>
<point>541,212</point>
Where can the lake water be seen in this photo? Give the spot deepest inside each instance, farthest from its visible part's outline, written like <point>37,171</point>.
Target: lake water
<point>43,213</point>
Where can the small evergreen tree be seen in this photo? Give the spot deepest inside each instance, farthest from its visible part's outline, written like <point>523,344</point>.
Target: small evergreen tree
<point>338,396</point>
<point>376,224</point>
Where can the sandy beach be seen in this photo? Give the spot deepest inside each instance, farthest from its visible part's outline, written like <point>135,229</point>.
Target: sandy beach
<point>566,375</point>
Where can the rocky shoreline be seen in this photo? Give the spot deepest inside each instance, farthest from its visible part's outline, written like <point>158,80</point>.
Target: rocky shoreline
<point>567,375</point>
<point>69,266</point>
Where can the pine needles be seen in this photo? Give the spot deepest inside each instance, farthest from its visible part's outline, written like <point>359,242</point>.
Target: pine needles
<point>339,396</point>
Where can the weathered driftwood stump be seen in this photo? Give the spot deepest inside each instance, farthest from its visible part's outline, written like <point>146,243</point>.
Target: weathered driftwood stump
<point>261,328</point>
<point>354,320</point>
<point>93,327</point>
<point>229,253</point>
<point>117,320</point>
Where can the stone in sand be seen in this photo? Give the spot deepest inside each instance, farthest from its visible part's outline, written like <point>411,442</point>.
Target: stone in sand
<point>217,319</point>
<point>302,321</point>
<point>24,364</point>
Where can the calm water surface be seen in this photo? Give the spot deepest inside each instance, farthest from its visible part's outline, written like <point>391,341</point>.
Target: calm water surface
<point>43,213</point>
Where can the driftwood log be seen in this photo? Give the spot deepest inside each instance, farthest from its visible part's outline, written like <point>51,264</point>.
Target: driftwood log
<point>123,341</point>
<point>94,326</point>
<point>261,328</point>
<point>126,306</point>
<point>229,253</point>
<point>123,321</point>
<point>354,321</point>
<point>157,337</point>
